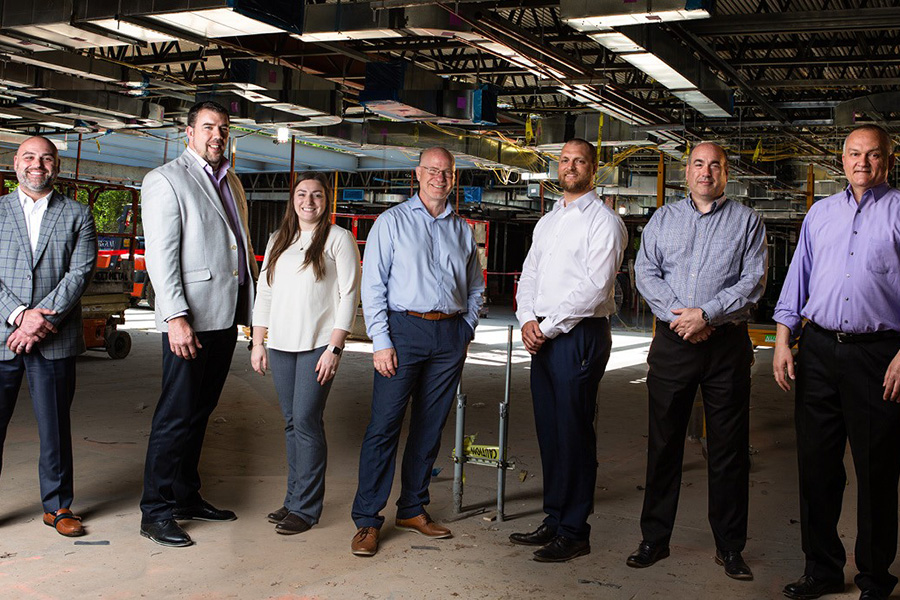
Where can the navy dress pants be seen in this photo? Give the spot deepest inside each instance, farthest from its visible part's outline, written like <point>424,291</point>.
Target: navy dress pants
<point>190,392</point>
<point>51,384</point>
<point>430,355</point>
<point>565,377</point>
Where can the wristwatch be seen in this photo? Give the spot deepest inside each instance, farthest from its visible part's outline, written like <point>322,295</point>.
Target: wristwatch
<point>335,350</point>
<point>705,316</point>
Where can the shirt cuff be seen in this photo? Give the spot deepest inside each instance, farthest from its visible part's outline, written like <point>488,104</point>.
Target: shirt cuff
<point>15,315</point>
<point>381,341</point>
<point>183,313</point>
<point>712,309</point>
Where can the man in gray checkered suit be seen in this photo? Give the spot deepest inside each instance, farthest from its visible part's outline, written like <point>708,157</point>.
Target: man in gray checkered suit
<point>48,250</point>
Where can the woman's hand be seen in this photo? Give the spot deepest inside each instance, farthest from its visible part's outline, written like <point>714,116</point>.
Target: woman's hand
<point>259,359</point>
<point>327,366</point>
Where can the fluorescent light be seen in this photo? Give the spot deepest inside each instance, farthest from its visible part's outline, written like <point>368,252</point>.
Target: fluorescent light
<point>341,36</point>
<point>282,135</point>
<point>701,103</point>
<point>615,41</point>
<point>215,23</point>
<point>653,66</point>
<point>57,125</point>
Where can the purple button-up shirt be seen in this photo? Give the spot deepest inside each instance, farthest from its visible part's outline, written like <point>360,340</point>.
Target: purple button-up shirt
<point>219,179</point>
<point>845,274</point>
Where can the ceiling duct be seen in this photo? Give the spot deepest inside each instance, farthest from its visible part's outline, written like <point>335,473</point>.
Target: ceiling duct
<point>552,133</point>
<point>203,18</point>
<point>278,97</point>
<point>48,92</point>
<point>660,56</point>
<point>414,137</point>
<point>81,66</point>
<point>593,15</point>
<point>365,20</point>
<point>401,91</point>
<point>878,107</point>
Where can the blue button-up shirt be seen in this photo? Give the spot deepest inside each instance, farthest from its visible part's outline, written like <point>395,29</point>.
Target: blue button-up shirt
<point>845,274</point>
<point>414,261</point>
<point>715,261</point>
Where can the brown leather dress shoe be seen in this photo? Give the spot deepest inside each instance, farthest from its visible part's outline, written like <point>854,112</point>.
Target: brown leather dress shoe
<point>425,525</point>
<point>64,522</point>
<point>365,542</point>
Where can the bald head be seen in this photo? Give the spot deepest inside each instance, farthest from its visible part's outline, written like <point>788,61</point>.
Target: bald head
<point>707,173</point>
<point>37,165</point>
<point>435,173</point>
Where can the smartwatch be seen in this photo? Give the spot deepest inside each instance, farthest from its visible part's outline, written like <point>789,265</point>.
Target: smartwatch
<point>705,316</point>
<point>335,350</point>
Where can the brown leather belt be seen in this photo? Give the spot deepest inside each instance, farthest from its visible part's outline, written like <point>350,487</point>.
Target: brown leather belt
<point>432,316</point>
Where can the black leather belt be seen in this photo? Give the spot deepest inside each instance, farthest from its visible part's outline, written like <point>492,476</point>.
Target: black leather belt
<point>855,338</point>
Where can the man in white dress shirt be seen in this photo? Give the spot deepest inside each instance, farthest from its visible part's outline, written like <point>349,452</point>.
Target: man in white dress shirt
<point>565,297</point>
<point>48,250</point>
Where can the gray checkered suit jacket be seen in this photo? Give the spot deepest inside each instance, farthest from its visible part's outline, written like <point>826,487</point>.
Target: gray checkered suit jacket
<point>54,278</point>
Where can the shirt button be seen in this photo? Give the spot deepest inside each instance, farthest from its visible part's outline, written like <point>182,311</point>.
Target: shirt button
<point>851,254</point>
<point>846,299</point>
<point>848,274</point>
<point>234,246</point>
<point>235,273</point>
<point>854,233</point>
<point>846,321</point>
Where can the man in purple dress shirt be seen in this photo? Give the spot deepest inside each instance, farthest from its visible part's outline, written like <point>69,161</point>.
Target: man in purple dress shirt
<point>201,263</point>
<point>844,280</point>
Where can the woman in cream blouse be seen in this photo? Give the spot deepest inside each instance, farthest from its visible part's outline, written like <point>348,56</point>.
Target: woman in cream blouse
<point>306,299</point>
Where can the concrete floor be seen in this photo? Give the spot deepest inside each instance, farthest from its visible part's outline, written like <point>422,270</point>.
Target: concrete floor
<point>244,469</point>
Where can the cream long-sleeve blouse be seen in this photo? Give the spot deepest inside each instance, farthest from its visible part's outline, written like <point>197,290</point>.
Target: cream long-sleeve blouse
<point>299,311</point>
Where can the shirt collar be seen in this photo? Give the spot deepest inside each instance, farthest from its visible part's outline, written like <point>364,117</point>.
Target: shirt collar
<point>24,198</point>
<point>581,203</point>
<point>416,203</point>
<point>716,205</point>
<point>876,193</point>
<point>217,173</point>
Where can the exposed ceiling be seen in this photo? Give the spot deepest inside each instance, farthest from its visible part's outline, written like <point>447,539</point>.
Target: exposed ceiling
<point>778,82</point>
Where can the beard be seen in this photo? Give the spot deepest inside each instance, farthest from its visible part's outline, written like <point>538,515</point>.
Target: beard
<point>575,186</point>
<point>43,184</point>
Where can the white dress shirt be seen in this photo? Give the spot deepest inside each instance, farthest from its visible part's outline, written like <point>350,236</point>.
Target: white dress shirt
<point>570,271</point>
<point>33,211</point>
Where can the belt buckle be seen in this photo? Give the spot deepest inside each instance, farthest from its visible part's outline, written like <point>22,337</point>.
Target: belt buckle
<point>841,337</point>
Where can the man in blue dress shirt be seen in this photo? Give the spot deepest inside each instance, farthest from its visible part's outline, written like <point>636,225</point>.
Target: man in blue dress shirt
<point>421,293</point>
<point>844,280</point>
<point>701,268</point>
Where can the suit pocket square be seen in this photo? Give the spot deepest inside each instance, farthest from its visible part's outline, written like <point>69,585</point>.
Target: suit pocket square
<point>196,275</point>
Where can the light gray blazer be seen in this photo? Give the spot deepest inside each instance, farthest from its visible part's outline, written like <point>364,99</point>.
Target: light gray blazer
<point>190,249</point>
<point>54,277</point>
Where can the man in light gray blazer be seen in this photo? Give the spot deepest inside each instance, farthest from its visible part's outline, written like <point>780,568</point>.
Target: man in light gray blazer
<point>203,269</point>
<point>48,250</point>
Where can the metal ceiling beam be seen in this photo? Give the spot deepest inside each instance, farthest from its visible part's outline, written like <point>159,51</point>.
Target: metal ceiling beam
<point>855,82</point>
<point>717,62</point>
<point>813,60</point>
<point>821,21</point>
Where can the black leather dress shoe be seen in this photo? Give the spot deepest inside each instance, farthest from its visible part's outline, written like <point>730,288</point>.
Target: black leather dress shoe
<point>541,536</point>
<point>734,564</point>
<point>202,512</point>
<point>872,595</point>
<point>808,587</point>
<point>647,554</point>
<point>291,525</point>
<point>166,533</point>
<point>561,549</point>
<point>277,515</point>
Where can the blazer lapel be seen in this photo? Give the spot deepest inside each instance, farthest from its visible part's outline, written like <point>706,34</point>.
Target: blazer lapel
<point>48,223</point>
<point>14,213</point>
<point>201,178</point>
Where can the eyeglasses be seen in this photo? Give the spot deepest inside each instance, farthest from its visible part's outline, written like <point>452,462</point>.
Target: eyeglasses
<point>432,172</point>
